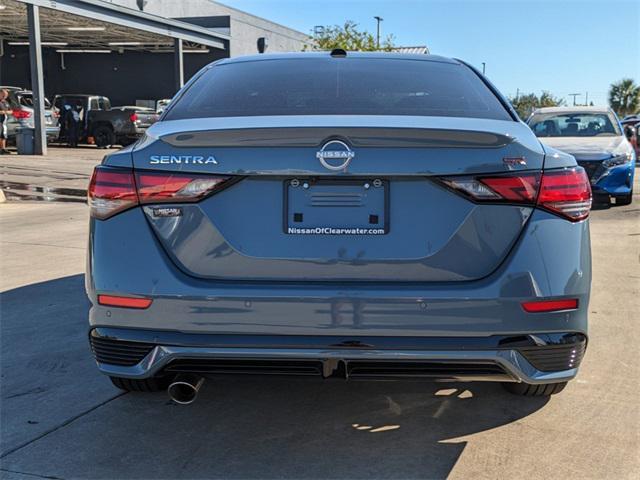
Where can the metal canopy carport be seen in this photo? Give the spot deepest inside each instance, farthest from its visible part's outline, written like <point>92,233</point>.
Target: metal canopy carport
<point>94,24</point>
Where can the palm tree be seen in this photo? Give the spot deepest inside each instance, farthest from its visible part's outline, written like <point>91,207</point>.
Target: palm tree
<point>624,97</point>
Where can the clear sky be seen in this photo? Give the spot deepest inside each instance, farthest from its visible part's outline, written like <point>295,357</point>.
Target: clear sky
<point>563,46</point>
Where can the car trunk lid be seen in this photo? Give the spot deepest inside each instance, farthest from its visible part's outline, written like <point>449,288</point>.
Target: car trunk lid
<point>385,217</point>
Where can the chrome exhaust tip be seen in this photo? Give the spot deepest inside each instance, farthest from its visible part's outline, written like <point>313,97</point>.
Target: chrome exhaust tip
<point>184,388</point>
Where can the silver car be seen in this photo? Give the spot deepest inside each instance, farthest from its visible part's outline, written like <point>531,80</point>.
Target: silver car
<point>339,214</point>
<point>21,102</point>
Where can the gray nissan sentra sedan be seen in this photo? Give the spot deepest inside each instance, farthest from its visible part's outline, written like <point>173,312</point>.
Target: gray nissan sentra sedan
<point>342,215</point>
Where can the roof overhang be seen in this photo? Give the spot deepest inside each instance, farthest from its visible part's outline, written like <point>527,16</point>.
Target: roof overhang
<point>121,23</point>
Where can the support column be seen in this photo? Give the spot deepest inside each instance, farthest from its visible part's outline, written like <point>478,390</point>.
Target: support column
<point>37,78</point>
<point>178,63</point>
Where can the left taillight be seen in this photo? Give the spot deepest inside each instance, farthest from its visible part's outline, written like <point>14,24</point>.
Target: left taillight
<point>21,114</point>
<point>133,117</point>
<point>176,187</point>
<point>113,190</point>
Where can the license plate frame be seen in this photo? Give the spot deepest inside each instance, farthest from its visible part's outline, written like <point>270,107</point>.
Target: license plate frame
<point>313,197</point>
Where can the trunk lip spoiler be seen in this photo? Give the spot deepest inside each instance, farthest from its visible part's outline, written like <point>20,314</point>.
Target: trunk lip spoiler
<point>308,136</point>
<point>515,131</point>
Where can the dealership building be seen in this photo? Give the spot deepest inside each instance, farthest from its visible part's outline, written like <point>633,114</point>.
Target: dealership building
<point>83,52</point>
<point>132,51</point>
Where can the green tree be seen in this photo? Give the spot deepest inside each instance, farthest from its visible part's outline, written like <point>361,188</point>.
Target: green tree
<point>527,103</point>
<point>350,38</point>
<point>624,97</point>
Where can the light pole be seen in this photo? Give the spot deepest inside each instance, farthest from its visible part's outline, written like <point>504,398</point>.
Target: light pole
<point>574,95</point>
<point>378,19</point>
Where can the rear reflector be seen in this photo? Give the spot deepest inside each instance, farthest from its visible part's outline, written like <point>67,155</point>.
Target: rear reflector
<point>565,192</point>
<point>126,302</point>
<point>550,305</point>
<point>113,190</point>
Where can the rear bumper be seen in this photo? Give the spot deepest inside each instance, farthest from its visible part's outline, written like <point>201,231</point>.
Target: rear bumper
<point>551,261</point>
<point>51,131</point>
<point>535,359</point>
<point>134,132</point>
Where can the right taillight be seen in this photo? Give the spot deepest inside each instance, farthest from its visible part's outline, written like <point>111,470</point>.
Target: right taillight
<point>566,192</point>
<point>113,190</point>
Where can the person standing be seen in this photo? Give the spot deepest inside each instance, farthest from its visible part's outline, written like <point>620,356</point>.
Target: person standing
<point>5,111</point>
<point>74,119</point>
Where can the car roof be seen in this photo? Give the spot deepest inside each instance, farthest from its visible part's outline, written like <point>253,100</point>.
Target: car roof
<point>575,109</point>
<point>324,54</point>
<point>78,95</point>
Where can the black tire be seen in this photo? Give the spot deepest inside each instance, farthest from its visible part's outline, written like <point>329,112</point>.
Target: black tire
<point>103,136</point>
<point>528,390</point>
<point>144,385</point>
<point>625,199</point>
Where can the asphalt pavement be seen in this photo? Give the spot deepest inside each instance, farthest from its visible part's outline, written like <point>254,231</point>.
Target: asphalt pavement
<point>60,418</point>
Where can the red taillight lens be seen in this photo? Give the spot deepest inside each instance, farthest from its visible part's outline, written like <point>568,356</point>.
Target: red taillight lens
<point>566,192</point>
<point>520,188</point>
<point>550,305</point>
<point>133,117</point>
<point>176,187</point>
<point>113,190</point>
<point>21,114</point>
<point>510,188</point>
<point>126,302</point>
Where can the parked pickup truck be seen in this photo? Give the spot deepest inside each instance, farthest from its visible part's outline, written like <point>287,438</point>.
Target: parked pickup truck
<point>145,116</point>
<point>101,124</point>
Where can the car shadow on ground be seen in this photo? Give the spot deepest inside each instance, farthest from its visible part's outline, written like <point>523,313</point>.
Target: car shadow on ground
<point>244,427</point>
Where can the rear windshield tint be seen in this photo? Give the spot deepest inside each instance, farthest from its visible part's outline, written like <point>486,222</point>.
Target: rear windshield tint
<point>330,86</point>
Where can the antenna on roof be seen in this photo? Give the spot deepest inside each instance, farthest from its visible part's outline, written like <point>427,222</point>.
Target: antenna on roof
<point>338,52</point>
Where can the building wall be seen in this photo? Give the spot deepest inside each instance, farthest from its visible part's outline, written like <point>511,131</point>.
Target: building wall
<point>130,76</point>
<point>245,28</point>
<point>123,77</point>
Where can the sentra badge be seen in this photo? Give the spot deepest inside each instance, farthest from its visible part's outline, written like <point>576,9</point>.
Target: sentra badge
<point>181,159</point>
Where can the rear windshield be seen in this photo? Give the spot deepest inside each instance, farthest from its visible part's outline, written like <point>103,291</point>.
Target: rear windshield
<point>26,100</point>
<point>330,86</point>
<point>585,124</point>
